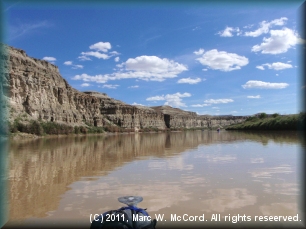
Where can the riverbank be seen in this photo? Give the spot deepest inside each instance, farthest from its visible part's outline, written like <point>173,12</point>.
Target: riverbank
<point>38,129</point>
<point>35,128</point>
<point>273,122</point>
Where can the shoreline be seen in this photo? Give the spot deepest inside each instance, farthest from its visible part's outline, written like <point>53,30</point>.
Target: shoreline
<point>28,136</point>
<point>294,122</point>
<point>277,123</point>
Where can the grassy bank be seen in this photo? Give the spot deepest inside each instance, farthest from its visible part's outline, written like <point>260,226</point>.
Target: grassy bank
<point>273,122</point>
<point>52,128</point>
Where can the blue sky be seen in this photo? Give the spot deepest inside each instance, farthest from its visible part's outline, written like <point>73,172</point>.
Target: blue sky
<point>210,58</point>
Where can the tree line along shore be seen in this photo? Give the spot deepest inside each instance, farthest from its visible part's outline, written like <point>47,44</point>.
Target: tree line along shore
<point>41,128</point>
<point>259,122</point>
<point>271,122</point>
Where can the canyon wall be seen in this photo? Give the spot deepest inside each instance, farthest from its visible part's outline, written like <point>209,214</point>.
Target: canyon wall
<point>177,118</point>
<point>38,91</point>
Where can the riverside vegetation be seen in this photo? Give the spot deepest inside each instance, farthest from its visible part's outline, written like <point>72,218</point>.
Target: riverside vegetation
<point>22,124</point>
<point>40,128</point>
<point>271,122</point>
<point>51,128</point>
<point>260,122</point>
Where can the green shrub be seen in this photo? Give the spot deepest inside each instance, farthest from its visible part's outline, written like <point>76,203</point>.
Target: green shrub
<point>95,129</point>
<point>275,115</point>
<point>112,128</point>
<point>288,122</point>
<point>252,119</point>
<point>263,115</point>
<point>77,130</point>
<point>35,128</point>
<point>83,130</point>
<point>13,127</point>
<point>53,128</point>
<point>56,128</point>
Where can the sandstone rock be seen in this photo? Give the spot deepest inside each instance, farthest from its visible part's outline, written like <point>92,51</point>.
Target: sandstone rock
<point>38,91</point>
<point>177,118</point>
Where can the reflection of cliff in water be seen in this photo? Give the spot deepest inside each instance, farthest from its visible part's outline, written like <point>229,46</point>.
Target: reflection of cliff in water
<point>42,170</point>
<point>270,136</point>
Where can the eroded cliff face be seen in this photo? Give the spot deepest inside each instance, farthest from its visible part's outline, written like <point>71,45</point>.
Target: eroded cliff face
<point>38,91</point>
<point>178,118</point>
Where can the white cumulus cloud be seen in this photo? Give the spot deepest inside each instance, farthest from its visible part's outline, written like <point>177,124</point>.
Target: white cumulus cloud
<point>114,53</point>
<point>154,64</point>
<point>248,26</point>
<point>216,101</point>
<point>201,105</point>
<point>68,63</point>
<point>276,66</point>
<point>264,85</point>
<point>200,52</point>
<point>77,66</point>
<point>136,86</point>
<point>110,86</point>
<point>265,27</point>
<point>174,100</point>
<point>98,48</point>
<point>117,59</point>
<point>83,58</point>
<point>189,80</point>
<point>74,66</point>
<point>149,68</point>
<point>101,46</point>
<point>278,42</point>
<point>85,85</point>
<point>222,60</point>
<point>97,78</point>
<point>228,32</point>
<point>95,54</point>
<point>260,67</point>
<point>156,98</point>
<point>137,104</point>
<point>253,97</point>
<point>49,58</point>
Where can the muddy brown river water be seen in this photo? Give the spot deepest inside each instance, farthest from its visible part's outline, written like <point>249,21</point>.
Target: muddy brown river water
<point>227,178</point>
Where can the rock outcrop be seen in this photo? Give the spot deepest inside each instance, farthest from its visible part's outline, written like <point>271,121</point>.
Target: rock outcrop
<point>38,91</point>
<point>177,118</point>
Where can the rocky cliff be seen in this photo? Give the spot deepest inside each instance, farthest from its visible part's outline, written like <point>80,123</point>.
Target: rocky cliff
<point>38,91</point>
<point>177,118</point>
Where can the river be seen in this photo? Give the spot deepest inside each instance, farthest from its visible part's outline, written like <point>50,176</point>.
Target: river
<point>237,176</point>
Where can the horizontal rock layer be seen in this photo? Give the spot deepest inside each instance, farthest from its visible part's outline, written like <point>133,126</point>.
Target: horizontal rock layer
<point>178,118</point>
<point>38,91</point>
